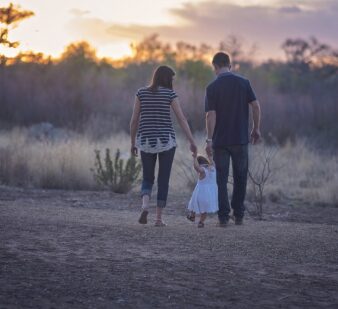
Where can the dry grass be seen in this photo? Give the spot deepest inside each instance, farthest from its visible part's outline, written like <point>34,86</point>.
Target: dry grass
<point>305,175</point>
<point>299,173</point>
<point>42,163</point>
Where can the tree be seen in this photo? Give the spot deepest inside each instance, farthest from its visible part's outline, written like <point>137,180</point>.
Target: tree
<point>233,45</point>
<point>185,51</point>
<point>10,16</point>
<point>79,52</point>
<point>302,54</point>
<point>31,57</point>
<point>151,49</point>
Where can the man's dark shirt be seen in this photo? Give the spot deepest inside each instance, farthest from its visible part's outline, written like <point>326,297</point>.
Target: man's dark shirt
<point>229,95</point>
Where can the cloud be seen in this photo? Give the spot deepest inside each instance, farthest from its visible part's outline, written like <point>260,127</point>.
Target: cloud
<point>100,31</point>
<point>211,22</point>
<point>97,30</point>
<point>78,12</point>
<point>290,9</point>
<point>311,4</point>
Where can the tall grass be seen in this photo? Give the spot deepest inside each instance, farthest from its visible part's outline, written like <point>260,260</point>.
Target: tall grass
<point>51,164</point>
<point>299,172</point>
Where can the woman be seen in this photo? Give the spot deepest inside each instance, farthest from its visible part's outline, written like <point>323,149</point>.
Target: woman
<point>152,132</point>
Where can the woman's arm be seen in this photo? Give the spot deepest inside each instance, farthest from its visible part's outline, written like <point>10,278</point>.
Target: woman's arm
<point>184,124</point>
<point>134,122</point>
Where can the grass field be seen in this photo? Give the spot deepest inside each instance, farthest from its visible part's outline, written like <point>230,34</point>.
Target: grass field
<point>63,160</point>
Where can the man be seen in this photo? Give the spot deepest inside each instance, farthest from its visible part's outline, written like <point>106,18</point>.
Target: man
<point>227,103</point>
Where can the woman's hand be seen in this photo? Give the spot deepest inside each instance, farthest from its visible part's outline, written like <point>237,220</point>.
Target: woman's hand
<point>193,149</point>
<point>134,150</point>
<point>194,155</point>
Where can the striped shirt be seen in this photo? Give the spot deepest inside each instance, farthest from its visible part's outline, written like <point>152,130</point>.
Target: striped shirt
<point>155,133</point>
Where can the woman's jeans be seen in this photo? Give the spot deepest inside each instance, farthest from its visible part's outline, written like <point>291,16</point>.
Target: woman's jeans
<point>165,159</point>
<point>239,159</point>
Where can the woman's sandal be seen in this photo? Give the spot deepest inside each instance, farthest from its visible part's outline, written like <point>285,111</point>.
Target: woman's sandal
<point>159,223</point>
<point>200,224</point>
<point>191,217</point>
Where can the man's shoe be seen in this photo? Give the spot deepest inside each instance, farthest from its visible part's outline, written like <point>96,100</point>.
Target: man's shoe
<point>239,221</point>
<point>143,217</point>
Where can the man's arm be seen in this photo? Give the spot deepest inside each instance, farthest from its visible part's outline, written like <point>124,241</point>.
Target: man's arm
<point>210,123</point>
<point>256,118</point>
<point>210,126</point>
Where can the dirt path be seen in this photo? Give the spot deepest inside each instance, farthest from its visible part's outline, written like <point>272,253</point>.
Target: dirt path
<point>85,250</point>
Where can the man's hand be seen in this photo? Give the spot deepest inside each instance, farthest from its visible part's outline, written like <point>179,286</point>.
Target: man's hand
<point>208,149</point>
<point>256,117</point>
<point>210,126</point>
<point>134,150</point>
<point>255,136</point>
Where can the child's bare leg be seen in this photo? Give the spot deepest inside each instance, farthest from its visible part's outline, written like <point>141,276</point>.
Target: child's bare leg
<point>203,217</point>
<point>191,216</point>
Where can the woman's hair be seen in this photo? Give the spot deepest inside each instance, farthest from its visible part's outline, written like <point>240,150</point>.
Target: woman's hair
<point>163,76</point>
<point>202,160</point>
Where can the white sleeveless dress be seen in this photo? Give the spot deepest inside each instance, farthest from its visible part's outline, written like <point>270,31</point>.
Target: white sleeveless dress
<point>205,195</point>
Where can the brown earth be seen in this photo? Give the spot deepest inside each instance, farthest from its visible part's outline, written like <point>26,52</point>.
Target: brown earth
<point>63,249</point>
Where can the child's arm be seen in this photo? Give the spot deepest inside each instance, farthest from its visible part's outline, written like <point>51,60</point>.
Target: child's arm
<point>212,162</point>
<point>198,168</point>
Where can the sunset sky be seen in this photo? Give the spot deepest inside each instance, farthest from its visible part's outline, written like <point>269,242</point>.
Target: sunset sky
<point>111,25</point>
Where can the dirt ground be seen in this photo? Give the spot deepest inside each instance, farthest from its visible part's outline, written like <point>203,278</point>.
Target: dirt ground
<point>63,249</point>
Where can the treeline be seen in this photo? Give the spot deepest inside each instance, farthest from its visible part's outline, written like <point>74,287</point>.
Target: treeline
<point>95,96</point>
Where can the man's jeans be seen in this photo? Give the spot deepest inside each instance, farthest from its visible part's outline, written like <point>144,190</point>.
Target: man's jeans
<point>239,159</point>
<point>165,159</point>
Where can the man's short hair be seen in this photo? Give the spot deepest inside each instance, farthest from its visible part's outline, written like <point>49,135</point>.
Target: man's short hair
<point>221,60</point>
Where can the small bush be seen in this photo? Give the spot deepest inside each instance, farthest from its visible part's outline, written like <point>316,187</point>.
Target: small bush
<point>259,174</point>
<point>116,175</point>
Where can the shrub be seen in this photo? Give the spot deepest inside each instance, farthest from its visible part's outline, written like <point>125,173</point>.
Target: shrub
<point>116,175</point>
<point>259,174</point>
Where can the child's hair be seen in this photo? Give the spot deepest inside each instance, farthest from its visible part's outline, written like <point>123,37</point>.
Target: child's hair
<point>202,160</point>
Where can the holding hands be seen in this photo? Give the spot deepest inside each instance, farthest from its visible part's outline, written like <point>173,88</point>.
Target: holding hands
<point>208,148</point>
<point>193,149</point>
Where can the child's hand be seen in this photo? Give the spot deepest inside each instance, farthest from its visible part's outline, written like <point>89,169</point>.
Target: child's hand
<point>211,160</point>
